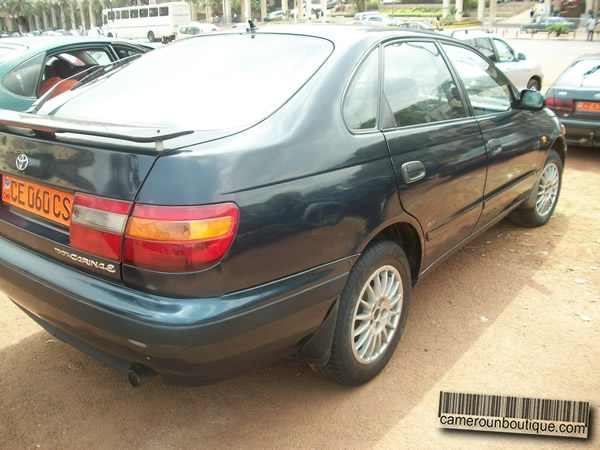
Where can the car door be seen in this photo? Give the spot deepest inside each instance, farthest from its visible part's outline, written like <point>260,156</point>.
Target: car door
<point>435,145</point>
<point>510,134</point>
<point>506,60</point>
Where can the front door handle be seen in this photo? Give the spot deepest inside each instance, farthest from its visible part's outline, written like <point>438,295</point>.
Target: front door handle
<point>413,171</point>
<point>494,146</point>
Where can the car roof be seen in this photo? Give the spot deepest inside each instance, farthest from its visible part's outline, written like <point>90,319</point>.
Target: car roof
<point>468,33</point>
<point>49,42</point>
<point>348,34</point>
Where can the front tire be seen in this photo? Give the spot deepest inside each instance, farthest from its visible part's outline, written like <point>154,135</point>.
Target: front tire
<point>372,315</point>
<point>544,197</point>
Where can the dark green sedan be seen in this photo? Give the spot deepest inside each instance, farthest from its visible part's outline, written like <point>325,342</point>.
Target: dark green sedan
<point>546,23</point>
<point>29,67</point>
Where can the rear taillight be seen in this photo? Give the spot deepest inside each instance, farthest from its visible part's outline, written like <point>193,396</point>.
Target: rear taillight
<point>97,225</point>
<point>560,104</point>
<point>160,238</point>
<point>179,239</point>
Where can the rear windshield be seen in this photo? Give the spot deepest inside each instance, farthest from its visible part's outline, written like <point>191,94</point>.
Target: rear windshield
<point>209,83</point>
<point>584,73</point>
<point>8,52</point>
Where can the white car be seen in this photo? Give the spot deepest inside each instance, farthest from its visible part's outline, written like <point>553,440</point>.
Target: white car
<point>523,72</point>
<point>378,19</point>
<point>194,28</point>
<point>275,16</point>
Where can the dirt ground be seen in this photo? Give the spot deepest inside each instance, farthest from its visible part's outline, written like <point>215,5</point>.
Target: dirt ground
<point>516,312</point>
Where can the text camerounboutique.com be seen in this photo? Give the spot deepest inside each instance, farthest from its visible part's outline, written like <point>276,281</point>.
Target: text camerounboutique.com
<point>516,425</point>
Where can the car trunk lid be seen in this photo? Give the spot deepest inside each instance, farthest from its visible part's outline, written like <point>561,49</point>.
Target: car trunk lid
<point>49,164</point>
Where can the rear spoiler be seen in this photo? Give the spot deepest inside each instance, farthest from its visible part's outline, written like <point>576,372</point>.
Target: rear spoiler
<point>51,124</point>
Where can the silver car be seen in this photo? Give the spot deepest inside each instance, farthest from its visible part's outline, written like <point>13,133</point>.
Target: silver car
<point>523,72</point>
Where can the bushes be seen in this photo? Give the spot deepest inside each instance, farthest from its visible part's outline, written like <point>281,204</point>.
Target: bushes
<point>412,12</point>
<point>559,28</point>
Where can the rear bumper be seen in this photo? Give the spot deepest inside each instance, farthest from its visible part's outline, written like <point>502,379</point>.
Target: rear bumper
<point>183,340</point>
<point>582,132</point>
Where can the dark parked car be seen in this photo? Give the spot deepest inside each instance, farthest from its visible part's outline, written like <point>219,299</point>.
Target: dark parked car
<point>195,243</point>
<point>30,66</point>
<point>545,24</point>
<point>575,97</point>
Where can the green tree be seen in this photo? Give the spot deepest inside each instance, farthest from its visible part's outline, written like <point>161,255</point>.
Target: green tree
<point>15,10</point>
<point>42,10</point>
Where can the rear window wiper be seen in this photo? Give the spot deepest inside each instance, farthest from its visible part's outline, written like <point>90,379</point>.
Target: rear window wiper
<point>84,77</point>
<point>589,72</point>
<point>99,71</point>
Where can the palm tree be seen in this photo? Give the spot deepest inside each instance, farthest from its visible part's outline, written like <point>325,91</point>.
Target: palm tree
<point>205,4</point>
<point>13,10</point>
<point>29,13</point>
<point>42,10</point>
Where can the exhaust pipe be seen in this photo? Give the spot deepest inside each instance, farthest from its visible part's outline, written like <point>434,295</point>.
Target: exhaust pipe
<point>139,374</point>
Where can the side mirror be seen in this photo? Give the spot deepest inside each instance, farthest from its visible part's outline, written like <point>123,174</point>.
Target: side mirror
<point>521,57</point>
<point>531,100</point>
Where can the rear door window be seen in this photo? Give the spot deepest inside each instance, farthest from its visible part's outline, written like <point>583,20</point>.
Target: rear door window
<point>484,45</point>
<point>361,100</point>
<point>126,52</point>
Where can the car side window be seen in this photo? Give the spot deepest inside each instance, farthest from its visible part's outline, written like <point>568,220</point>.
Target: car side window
<point>484,45</point>
<point>24,79</point>
<point>422,91</point>
<point>125,52</point>
<point>360,102</point>
<point>99,56</point>
<point>505,53</point>
<point>488,90</point>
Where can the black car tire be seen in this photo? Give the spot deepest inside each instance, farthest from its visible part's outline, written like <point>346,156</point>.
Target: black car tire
<point>547,188</point>
<point>534,84</point>
<point>151,36</point>
<point>380,260</point>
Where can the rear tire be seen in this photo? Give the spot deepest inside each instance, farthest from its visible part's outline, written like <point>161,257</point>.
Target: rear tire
<point>534,84</point>
<point>544,197</point>
<point>151,36</point>
<point>372,315</point>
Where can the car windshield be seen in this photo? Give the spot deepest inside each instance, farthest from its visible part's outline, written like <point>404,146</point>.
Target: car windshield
<point>208,83</point>
<point>583,73</point>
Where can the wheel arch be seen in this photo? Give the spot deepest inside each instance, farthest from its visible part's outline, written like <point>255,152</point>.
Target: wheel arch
<point>407,236</point>
<point>537,78</point>
<point>560,146</point>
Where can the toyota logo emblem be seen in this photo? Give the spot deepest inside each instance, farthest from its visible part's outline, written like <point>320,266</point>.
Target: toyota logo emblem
<point>22,162</point>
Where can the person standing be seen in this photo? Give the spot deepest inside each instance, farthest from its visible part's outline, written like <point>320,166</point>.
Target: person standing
<point>591,26</point>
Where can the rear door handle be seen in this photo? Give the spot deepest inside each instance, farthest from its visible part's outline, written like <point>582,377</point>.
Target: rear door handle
<point>413,171</point>
<point>494,146</point>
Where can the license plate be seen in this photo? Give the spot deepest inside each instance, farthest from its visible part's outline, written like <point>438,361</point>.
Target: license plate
<point>40,200</point>
<point>588,106</point>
